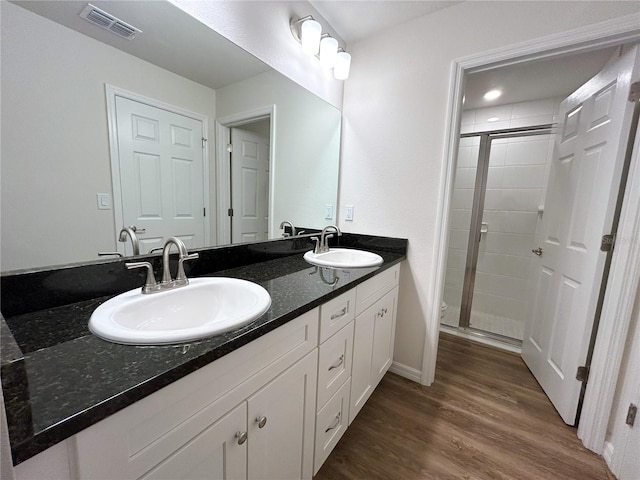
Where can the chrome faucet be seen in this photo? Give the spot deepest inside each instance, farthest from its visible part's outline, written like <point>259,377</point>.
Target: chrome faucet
<point>293,229</point>
<point>167,282</point>
<point>321,244</point>
<point>131,231</point>
<point>181,278</point>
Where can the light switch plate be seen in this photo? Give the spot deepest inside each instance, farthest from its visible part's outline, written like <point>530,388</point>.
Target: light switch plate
<point>328,212</point>
<point>104,201</point>
<point>349,213</point>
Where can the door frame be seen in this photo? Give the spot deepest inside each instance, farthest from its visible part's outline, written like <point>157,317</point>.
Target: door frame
<point>617,310</point>
<point>223,170</point>
<point>111,92</point>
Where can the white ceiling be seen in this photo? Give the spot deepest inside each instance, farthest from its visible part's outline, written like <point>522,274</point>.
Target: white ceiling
<point>171,38</point>
<point>556,77</point>
<point>355,20</point>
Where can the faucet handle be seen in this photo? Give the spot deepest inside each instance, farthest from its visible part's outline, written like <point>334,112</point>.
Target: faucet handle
<point>150,283</point>
<point>181,276</point>
<point>316,249</point>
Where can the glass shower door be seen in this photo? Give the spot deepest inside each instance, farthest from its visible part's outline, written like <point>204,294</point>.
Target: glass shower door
<point>508,192</point>
<point>512,207</point>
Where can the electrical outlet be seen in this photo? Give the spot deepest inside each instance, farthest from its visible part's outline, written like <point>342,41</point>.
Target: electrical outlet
<point>328,212</point>
<point>349,213</point>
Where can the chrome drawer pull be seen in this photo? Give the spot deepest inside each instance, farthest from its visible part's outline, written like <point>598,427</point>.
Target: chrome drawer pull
<point>337,363</point>
<point>335,423</point>
<point>342,313</point>
<point>242,437</point>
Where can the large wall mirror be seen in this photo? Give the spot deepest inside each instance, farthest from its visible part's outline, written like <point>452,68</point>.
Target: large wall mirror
<point>79,102</point>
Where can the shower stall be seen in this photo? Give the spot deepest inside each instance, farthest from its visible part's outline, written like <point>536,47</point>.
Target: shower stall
<point>497,205</point>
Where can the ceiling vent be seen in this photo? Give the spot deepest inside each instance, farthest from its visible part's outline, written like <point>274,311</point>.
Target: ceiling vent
<point>109,22</point>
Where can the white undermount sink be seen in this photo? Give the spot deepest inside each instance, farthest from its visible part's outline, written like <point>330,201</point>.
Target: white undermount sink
<point>205,307</point>
<point>344,258</point>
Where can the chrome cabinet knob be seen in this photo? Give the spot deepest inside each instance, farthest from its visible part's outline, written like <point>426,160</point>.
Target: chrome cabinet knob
<point>261,421</point>
<point>242,437</point>
<point>537,251</point>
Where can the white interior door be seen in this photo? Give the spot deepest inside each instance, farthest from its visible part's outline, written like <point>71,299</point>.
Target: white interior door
<point>162,177</point>
<point>579,206</point>
<point>249,186</point>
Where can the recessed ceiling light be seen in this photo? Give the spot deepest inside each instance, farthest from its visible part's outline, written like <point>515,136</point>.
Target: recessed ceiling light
<point>492,94</point>
<point>493,119</point>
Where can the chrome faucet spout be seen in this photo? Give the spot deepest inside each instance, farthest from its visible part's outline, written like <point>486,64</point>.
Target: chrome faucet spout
<point>291,226</point>
<point>182,252</point>
<point>131,232</point>
<point>322,245</point>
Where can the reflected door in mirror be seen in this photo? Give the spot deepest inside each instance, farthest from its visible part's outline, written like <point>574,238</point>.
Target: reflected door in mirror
<point>161,180</point>
<point>249,186</point>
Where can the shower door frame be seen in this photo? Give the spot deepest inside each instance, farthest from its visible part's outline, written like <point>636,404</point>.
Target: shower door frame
<point>475,233</point>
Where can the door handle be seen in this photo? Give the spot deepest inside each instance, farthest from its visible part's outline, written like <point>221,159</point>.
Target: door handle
<point>537,251</point>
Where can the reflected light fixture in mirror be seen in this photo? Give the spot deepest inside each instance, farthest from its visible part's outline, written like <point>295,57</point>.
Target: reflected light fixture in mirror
<point>308,32</point>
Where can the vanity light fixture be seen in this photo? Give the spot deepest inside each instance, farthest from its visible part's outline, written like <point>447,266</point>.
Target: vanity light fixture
<point>342,66</point>
<point>492,95</point>
<point>308,32</point>
<point>328,51</point>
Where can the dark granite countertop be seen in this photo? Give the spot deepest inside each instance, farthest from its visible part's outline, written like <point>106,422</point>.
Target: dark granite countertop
<point>75,379</point>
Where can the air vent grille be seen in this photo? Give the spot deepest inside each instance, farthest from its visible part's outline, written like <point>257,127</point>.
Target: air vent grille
<point>109,22</point>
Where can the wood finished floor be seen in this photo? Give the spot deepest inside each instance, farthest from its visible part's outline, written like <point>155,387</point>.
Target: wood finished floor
<point>485,417</point>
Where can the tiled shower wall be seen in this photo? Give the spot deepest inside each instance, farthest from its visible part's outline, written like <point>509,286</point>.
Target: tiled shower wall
<point>518,172</point>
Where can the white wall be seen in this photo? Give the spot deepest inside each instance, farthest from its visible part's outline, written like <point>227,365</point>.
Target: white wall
<point>55,144</point>
<point>623,442</point>
<point>262,29</point>
<point>395,110</point>
<point>516,186</point>
<point>307,147</point>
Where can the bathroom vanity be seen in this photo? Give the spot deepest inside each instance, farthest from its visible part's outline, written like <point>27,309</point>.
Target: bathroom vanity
<point>268,400</point>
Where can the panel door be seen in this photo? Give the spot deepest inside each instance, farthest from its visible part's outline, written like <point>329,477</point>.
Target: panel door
<point>161,175</point>
<point>249,186</point>
<point>583,184</point>
<point>383,336</point>
<point>281,422</point>
<point>216,453</point>
<point>361,386</point>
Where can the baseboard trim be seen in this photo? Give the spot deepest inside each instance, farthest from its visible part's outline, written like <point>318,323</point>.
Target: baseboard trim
<point>607,453</point>
<point>405,371</point>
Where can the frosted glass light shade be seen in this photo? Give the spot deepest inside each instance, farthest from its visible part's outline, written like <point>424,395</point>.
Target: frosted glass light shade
<point>328,52</point>
<point>310,33</point>
<point>342,66</point>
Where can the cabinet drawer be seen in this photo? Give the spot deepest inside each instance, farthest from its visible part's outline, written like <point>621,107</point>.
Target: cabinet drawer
<point>370,291</point>
<point>331,423</point>
<point>334,363</point>
<point>336,313</point>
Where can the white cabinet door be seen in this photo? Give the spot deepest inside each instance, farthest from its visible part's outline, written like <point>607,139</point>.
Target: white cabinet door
<point>372,349</point>
<point>219,452</point>
<point>383,336</point>
<point>281,422</point>
<point>361,371</point>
